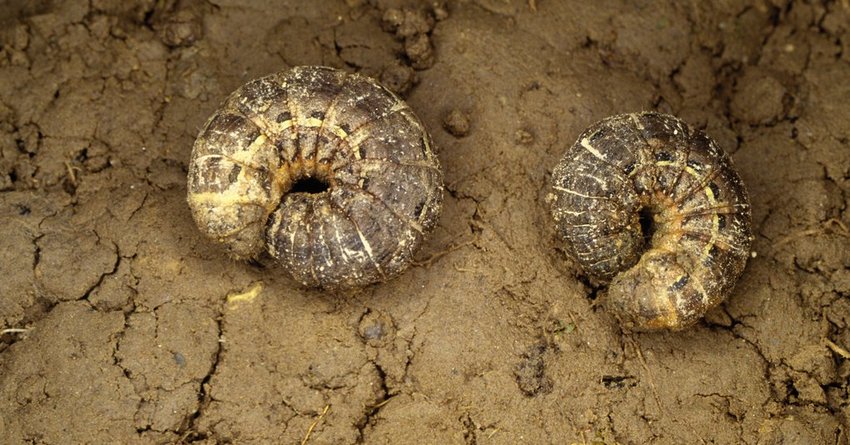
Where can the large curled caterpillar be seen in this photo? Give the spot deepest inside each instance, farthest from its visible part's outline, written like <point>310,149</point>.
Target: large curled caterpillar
<point>653,206</point>
<point>329,172</point>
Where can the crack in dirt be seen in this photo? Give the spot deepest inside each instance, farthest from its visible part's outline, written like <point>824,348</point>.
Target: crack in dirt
<point>470,433</point>
<point>369,417</point>
<point>103,276</point>
<point>190,430</point>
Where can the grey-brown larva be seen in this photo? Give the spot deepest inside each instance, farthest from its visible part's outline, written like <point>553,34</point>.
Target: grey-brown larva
<point>328,171</point>
<point>653,206</point>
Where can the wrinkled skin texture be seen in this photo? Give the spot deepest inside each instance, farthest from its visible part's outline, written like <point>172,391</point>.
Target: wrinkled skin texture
<point>377,183</point>
<point>654,206</point>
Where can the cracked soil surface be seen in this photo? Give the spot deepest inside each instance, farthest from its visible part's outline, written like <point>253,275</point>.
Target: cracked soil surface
<point>121,324</point>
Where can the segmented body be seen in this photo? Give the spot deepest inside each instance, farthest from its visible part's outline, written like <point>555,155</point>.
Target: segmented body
<point>655,207</point>
<point>363,143</point>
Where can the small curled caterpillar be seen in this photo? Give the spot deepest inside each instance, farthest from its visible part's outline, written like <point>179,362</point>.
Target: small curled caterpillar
<point>329,172</point>
<point>654,207</point>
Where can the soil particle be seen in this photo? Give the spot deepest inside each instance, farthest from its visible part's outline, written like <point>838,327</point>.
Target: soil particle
<point>456,123</point>
<point>420,51</point>
<point>407,22</point>
<point>181,28</point>
<point>531,372</point>
<point>376,329</point>
<point>398,78</point>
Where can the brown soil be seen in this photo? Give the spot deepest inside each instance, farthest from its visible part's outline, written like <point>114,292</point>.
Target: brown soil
<point>128,327</point>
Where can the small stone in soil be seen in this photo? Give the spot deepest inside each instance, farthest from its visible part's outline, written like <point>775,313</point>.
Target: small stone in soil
<point>457,123</point>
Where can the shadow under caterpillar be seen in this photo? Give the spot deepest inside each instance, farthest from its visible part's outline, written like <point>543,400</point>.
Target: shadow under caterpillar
<point>328,171</point>
<point>654,208</point>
